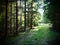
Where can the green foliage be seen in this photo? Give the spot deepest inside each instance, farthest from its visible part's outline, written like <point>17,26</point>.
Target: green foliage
<point>37,18</point>
<point>48,10</point>
<point>51,9</point>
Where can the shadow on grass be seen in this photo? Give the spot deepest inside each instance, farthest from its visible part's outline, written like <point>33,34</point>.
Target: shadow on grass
<point>41,35</point>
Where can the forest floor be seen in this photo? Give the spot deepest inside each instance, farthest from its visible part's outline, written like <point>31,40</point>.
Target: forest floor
<point>40,35</point>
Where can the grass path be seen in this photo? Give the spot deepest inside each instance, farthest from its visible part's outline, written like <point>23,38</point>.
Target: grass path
<point>41,35</point>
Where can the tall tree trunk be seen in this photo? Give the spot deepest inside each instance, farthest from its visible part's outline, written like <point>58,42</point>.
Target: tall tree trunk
<point>16,18</point>
<point>20,17</point>
<point>25,17</point>
<point>31,14</point>
<point>6,19</point>
<point>11,17</point>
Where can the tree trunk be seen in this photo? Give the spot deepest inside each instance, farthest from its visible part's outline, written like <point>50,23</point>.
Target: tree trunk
<point>25,17</point>
<point>31,14</point>
<point>6,19</point>
<point>16,18</point>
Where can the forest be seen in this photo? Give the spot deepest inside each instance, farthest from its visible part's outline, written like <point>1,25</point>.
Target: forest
<point>29,22</point>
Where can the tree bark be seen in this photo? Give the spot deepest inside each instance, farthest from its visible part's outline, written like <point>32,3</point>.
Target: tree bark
<point>16,18</point>
<point>6,19</point>
<point>25,17</point>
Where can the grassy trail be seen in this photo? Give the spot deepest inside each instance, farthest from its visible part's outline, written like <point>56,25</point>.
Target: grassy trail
<point>41,35</point>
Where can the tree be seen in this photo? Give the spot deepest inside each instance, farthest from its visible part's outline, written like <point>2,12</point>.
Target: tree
<point>53,13</point>
<point>25,17</point>
<point>6,20</point>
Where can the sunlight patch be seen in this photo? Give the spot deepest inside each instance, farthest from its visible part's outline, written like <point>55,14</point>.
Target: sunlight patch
<point>35,29</point>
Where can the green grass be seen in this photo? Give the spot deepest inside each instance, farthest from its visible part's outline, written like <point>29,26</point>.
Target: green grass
<point>38,37</point>
<point>41,35</point>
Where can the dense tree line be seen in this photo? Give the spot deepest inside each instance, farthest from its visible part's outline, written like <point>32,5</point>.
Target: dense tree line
<point>52,12</point>
<point>18,15</point>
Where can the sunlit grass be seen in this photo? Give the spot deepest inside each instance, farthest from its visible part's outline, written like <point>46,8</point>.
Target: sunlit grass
<point>39,36</point>
<point>43,34</point>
